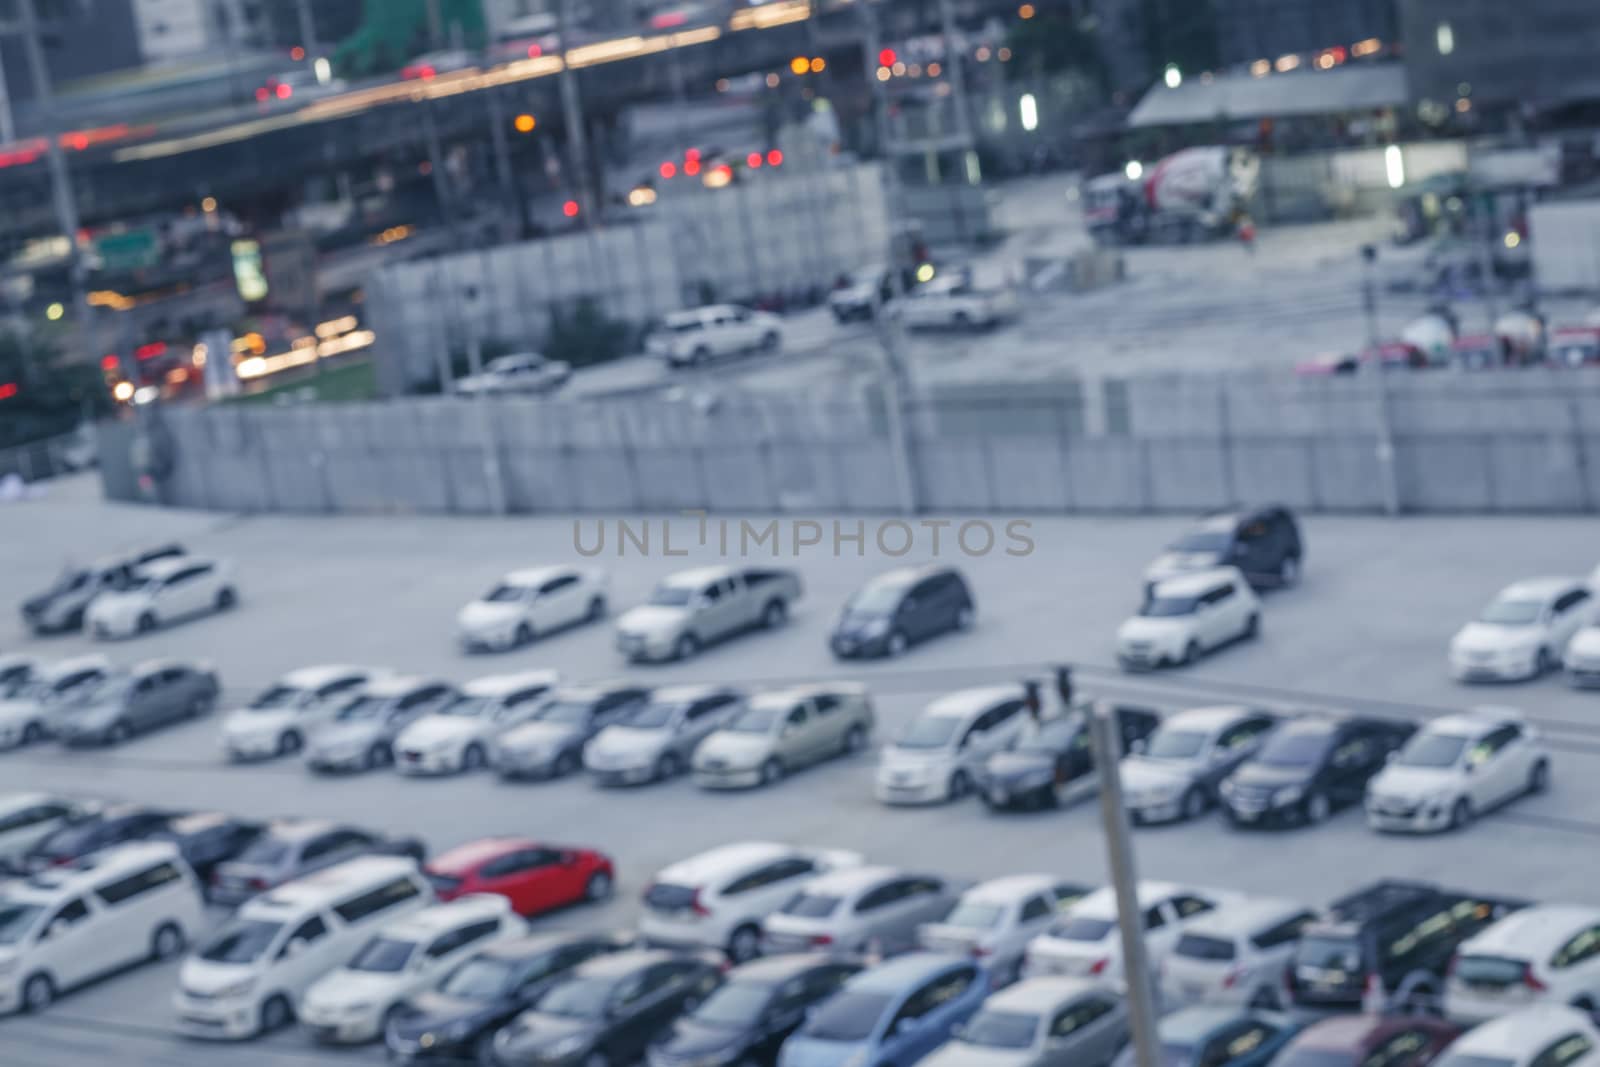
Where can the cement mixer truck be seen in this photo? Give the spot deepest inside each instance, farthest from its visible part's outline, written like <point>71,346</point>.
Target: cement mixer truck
<point>1192,195</point>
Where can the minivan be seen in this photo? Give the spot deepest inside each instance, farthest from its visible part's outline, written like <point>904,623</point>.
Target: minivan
<point>901,608</point>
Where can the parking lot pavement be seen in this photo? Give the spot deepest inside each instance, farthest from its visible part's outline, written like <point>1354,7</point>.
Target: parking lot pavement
<point>1371,620</point>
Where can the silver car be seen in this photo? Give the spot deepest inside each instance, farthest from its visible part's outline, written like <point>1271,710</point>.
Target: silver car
<point>361,734</point>
<point>867,910</point>
<point>550,745</point>
<point>1042,1022</point>
<point>659,740</point>
<point>290,848</point>
<point>30,708</point>
<point>153,694</point>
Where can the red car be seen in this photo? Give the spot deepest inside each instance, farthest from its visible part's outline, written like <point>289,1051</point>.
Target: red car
<point>1355,1040</point>
<point>534,876</point>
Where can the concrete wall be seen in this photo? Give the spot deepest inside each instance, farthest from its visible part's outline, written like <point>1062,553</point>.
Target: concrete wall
<point>1346,181</point>
<point>1565,237</point>
<point>1506,442</point>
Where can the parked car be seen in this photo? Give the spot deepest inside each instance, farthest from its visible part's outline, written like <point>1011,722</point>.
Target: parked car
<point>361,734</point>
<point>64,928</point>
<point>1545,954</point>
<point>163,592</point>
<point>457,1019</point>
<point>1582,657</point>
<point>280,718</point>
<point>26,819</point>
<point>747,1018</point>
<point>61,607</point>
<point>1042,1022</point>
<point>1264,544</point>
<point>31,713</point>
<point>1219,1037</point>
<point>104,828</point>
<point>994,920</point>
<point>153,694</point>
<point>1533,1037</point>
<point>522,372</point>
<point>1187,616</point>
<point>693,609</point>
<point>550,744</point>
<point>720,898</point>
<point>941,753</point>
<point>1238,954</point>
<point>288,849</point>
<point>247,979</point>
<point>659,740</point>
<point>904,607</point>
<point>1455,768</point>
<point>953,302</point>
<point>863,292</point>
<point>1310,767</point>
<point>870,911</point>
<point>1054,764</point>
<point>534,876</point>
<point>1523,632</point>
<point>460,735</point>
<point>18,673</point>
<point>1369,1040</point>
<point>1175,774</point>
<point>693,338</point>
<point>206,840</point>
<point>894,1013</point>
<point>609,1009</point>
<point>1387,946</point>
<point>23,685</point>
<point>1084,941</point>
<point>352,1003</point>
<point>780,732</point>
<point>527,604</point>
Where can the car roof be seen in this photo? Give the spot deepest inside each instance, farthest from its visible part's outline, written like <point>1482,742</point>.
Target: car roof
<point>65,667</point>
<point>1218,717</point>
<point>199,822</point>
<point>970,703</point>
<point>795,694</point>
<point>898,974</point>
<point>1514,1036</point>
<point>1533,932</point>
<point>1102,903</point>
<point>521,948</point>
<point>299,828</point>
<point>1041,994</point>
<point>851,881</point>
<point>82,873</point>
<point>393,685</point>
<point>1245,916</point>
<point>683,694</point>
<point>1011,887</point>
<point>11,660</point>
<point>1343,1032</point>
<point>615,964</point>
<point>770,970</point>
<point>320,675</point>
<point>154,666</point>
<point>19,801</point>
<point>536,575</point>
<point>316,887</point>
<point>723,859</point>
<point>1544,588</point>
<point>1196,1022</point>
<point>467,856</point>
<point>436,919</point>
<point>588,692</point>
<point>498,685</point>
<point>698,576</point>
<point>166,568</point>
<point>1474,722</point>
<point>1193,583</point>
<point>901,576</point>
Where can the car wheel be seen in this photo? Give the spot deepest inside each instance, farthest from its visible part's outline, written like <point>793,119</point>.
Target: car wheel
<point>1194,804</point>
<point>1539,778</point>
<point>473,758</point>
<point>771,771</point>
<point>597,609</point>
<point>669,766</point>
<point>774,614</point>
<point>966,617</point>
<point>290,743</point>
<point>118,733</point>
<point>699,356</point>
<point>524,635</point>
<point>1252,627</point>
<point>771,341</point>
<point>167,942</point>
<point>1543,664</point>
<point>378,755</point>
<point>147,622</point>
<point>1266,999</point>
<point>1587,1006</point>
<point>1461,814</point>
<point>744,944</point>
<point>598,887</point>
<point>1289,571</point>
<point>686,647</point>
<point>32,734</point>
<point>855,739</point>
<point>38,993</point>
<point>960,785</point>
<point>276,1013</point>
<point>1317,808</point>
<point>568,763</point>
<point>1191,652</point>
<point>896,645</point>
<point>226,598</point>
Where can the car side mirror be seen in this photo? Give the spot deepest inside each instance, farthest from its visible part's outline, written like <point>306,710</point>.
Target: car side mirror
<point>51,932</point>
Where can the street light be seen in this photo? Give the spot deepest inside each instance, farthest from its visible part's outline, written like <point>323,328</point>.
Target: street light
<point>1173,76</point>
<point>1133,170</point>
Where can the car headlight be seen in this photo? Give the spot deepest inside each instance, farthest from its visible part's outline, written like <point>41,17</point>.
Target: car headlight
<point>1289,794</point>
<point>568,1046</point>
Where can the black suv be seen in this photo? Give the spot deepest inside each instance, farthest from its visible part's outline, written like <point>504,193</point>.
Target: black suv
<point>1264,543</point>
<point>1387,947</point>
<point>1053,763</point>
<point>1309,768</point>
<point>896,610</point>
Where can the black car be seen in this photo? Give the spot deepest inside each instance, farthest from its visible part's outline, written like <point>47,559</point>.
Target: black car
<point>1263,543</point>
<point>1387,947</point>
<point>609,1010</point>
<point>1309,768</point>
<point>901,608</point>
<point>207,839</point>
<point>1054,762</point>
<point>60,608</point>
<point>457,1019</point>
<point>752,1012</point>
<point>111,826</point>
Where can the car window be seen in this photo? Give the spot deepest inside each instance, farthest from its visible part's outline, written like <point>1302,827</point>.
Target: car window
<point>71,913</point>
<point>1283,933</point>
<point>340,686</point>
<point>313,929</point>
<point>1353,752</point>
<point>457,939</point>
<point>1187,905</point>
<point>881,896</point>
<point>1243,733</point>
<point>770,874</point>
<point>1582,947</point>
<point>1575,599</point>
<point>1218,595</point>
<point>1399,1049</point>
<point>1414,940</point>
<point>712,592</point>
<point>136,885</point>
<point>826,703</point>
<point>419,697</point>
<point>1563,1050</point>
<point>1079,1015</point>
<point>555,585</point>
<point>939,991</point>
<point>329,843</point>
<point>1037,908</point>
<point>377,901</point>
<point>1494,742</point>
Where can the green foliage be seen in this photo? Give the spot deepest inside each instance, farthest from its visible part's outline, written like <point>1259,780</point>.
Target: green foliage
<point>344,384</point>
<point>1055,44</point>
<point>392,31</point>
<point>586,335</point>
<point>51,398</point>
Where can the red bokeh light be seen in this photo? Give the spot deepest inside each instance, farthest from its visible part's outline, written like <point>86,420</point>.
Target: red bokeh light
<point>753,160</point>
<point>886,57</point>
<point>262,94</point>
<point>774,158</point>
<point>693,155</point>
<point>8,390</point>
<point>570,209</point>
<point>669,169</point>
<point>534,51</point>
<point>110,363</point>
<point>284,90</point>
<point>692,167</point>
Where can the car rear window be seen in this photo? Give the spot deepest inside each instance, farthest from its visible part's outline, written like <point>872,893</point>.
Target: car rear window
<point>812,906</point>
<point>1083,928</point>
<point>1201,947</point>
<point>1489,970</point>
<point>664,896</point>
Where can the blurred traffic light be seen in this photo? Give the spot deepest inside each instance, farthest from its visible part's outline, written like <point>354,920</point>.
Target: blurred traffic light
<point>886,58</point>
<point>526,123</point>
<point>570,209</point>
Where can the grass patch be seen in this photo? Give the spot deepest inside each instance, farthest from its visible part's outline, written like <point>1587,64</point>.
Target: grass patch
<point>347,383</point>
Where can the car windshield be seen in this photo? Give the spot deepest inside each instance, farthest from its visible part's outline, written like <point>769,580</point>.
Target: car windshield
<point>580,998</point>
<point>671,596</point>
<point>467,707</point>
<point>734,1006</point>
<point>479,979</point>
<point>279,696</point>
<point>1052,737</point>
<point>1167,607</point>
<point>16,919</point>
<point>1202,947</point>
<point>1001,1029</point>
<point>566,712</point>
<point>1176,744</point>
<point>850,1015</point>
<point>383,955</point>
<point>654,716</point>
<point>242,942</point>
<point>1291,749</point>
<point>264,852</point>
<point>70,581</point>
<point>1083,928</point>
<point>1509,612</point>
<point>1432,750</point>
<point>974,915</point>
<point>758,718</point>
<point>876,598</point>
<point>1210,542</point>
<point>443,883</point>
<point>362,709</point>
<point>930,731</point>
<point>812,906</point>
<point>505,594</point>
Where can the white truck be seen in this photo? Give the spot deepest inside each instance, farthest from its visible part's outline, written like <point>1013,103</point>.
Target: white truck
<point>692,609</point>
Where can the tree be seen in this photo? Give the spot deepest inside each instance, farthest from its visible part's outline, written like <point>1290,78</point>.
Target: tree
<point>393,31</point>
<point>1055,44</point>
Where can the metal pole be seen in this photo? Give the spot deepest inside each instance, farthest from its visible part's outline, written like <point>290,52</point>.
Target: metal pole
<point>1125,882</point>
<point>955,64</point>
<point>1369,295</point>
<point>572,109</point>
<point>308,29</point>
<point>481,412</point>
<point>890,329</point>
<point>1388,480</point>
<point>8,124</point>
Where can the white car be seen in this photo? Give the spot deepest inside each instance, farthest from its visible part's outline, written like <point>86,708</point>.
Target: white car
<point>1085,942</point>
<point>1187,616</point>
<point>33,711</point>
<point>248,978</point>
<point>1582,658</point>
<point>1176,772</point>
<point>18,672</point>
<point>281,717</point>
<point>460,735</point>
<point>1239,954</point>
<point>65,927</point>
<point>163,592</point>
<point>1457,767</point>
<point>524,372</point>
<point>527,603</point>
<point>994,921</point>
<point>941,753</point>
<point>689,338</point>
<point>950,301</point>
<point>352,1003</point>
<point>720,898</point>
<point>28,818</point>
<point>1524,631</point>
<point>1544,1036</point>
<point>1546,954</point>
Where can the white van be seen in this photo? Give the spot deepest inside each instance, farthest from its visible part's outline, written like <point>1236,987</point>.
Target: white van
<point>352,1004</point>
<point>71,924</point>
<point>249,978</point>
<point>28,818</point>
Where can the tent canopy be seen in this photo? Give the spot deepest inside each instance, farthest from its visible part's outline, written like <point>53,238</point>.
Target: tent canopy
<point>1352,87</point>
